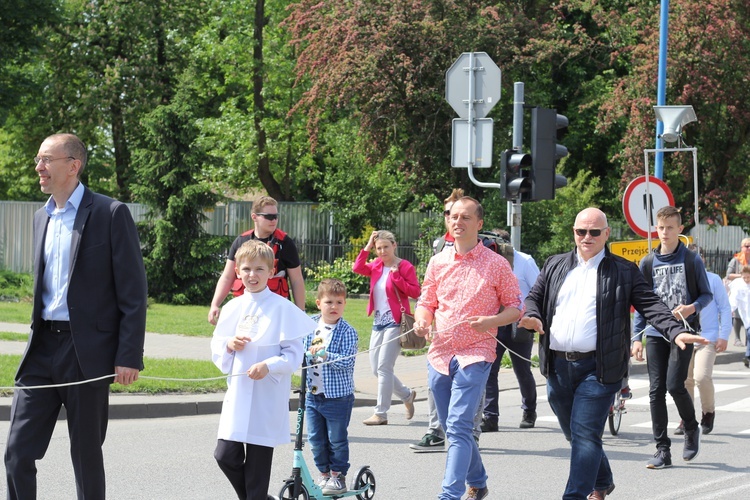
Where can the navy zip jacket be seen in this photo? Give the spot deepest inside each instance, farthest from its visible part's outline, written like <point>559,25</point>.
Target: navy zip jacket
<point>620,284</point>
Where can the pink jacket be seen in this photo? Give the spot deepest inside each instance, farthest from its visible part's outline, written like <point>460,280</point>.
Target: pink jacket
<point>405,280</point>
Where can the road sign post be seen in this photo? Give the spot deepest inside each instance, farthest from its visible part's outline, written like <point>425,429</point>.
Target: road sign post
<point>472,88</point>
<point>642,199</point>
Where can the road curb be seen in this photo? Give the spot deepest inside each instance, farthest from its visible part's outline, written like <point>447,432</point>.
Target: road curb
<point>126,406</point>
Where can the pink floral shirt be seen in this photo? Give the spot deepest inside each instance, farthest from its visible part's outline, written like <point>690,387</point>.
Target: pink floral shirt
<point>460,286</point>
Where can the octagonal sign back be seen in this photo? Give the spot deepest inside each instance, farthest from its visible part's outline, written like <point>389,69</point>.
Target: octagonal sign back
<point>486,84</point>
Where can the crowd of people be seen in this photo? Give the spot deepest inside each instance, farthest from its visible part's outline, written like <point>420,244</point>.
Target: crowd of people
<point>474,304</point>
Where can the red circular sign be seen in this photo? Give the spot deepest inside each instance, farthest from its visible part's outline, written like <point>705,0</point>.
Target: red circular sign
<point>635,204</point>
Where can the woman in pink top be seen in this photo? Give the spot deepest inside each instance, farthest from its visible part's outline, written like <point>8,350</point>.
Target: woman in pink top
<point>392,281</point>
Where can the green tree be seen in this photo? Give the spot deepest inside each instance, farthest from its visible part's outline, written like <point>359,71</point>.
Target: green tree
<point>382,64</point>
<point>102,67</point>
<point>182,262</point>
<point>707,67</point>
<point>20,37</point>
<point>242,61</point>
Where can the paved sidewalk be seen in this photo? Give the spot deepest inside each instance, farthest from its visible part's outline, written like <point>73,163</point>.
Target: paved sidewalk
<point>411,370</point>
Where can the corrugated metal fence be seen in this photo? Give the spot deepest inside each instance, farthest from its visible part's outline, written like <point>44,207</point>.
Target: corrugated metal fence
<point>317,237</point>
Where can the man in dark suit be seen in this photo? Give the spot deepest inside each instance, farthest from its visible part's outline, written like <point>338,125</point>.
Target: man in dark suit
<point>88,321</point>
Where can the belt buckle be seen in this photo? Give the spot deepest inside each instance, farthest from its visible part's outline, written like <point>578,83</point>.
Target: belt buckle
<point>571,356</point>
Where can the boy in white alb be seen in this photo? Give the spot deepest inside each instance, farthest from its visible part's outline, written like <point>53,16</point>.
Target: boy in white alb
<point>258,341</point>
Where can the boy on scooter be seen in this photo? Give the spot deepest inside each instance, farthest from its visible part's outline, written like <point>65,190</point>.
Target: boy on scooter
<point>330,386</point>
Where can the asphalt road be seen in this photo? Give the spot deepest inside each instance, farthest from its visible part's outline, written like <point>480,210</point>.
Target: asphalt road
<point>172,458</point>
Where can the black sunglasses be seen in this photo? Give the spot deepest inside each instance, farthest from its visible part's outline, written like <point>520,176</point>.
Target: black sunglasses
<point>593,232</point>
<point>446,213</point>
<point>268,216</point>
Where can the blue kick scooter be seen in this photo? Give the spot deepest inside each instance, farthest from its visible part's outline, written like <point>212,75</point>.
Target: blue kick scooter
<point>301,486</point>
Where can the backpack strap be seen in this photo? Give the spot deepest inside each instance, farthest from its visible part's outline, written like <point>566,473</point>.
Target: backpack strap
<point>692,284</point>
<point>439,245</point>
<point>648,269</point>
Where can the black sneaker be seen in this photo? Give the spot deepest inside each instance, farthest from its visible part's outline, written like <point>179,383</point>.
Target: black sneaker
<point>488,425</point>
<point>429,443</point>
<point>662,459</point>
<point>746,362</point>
<point>692,444</point>
<point>707,422</point>
<point>680,430</point>
<point>529,419</point>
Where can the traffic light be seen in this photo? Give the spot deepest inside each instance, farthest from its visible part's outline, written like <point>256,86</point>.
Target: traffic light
<point>545,151</point>
<point>514,180</point>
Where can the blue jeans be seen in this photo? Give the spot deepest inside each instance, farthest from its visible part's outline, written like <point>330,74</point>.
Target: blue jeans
<point>457,397</point>
<point>327,423</point>
<point>581,405</point>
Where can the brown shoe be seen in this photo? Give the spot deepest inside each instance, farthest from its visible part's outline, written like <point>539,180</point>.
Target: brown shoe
<point>375,420</point>
<point>409,404</point>
<point>601,494</point>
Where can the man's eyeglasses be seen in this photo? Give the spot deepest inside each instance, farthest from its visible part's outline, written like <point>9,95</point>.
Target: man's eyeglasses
<point>446,213</point>
<point>268,216</point>
<point>47,160</point>
<point>595,233</point>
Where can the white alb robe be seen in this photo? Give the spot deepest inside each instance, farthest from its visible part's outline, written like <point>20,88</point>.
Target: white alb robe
<point>257,411</point>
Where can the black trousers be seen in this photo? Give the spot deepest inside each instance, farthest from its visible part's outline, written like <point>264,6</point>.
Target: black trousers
<point>667,371</point>
<point>521,368</point>
<point>247,466</point>
<point>34,414</point>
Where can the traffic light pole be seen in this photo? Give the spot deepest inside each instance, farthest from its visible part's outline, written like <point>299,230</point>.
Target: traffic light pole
<point>514,212</point>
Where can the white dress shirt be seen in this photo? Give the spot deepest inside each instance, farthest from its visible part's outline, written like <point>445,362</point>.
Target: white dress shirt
<point>573,326</point>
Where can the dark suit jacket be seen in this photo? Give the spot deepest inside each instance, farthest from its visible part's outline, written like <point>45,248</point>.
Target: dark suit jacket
<point>107,291</point>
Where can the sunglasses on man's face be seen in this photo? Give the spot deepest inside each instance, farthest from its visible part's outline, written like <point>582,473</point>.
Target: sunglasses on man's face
<point>595,233</point>
<point>268,216</point>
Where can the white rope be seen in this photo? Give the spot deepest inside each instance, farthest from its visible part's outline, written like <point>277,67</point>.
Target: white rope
<point>685,324</point>
<point>53,386</point>
<point>221,377</point>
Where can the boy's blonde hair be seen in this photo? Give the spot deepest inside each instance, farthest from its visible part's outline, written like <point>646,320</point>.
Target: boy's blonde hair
<point>667,212</point>
<point>745,270</point>
<point>263,201</point>
<point>254,249</point>
<point>331,286</point>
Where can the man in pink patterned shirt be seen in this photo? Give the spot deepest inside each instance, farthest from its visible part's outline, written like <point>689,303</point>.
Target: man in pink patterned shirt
<point>463,290</point>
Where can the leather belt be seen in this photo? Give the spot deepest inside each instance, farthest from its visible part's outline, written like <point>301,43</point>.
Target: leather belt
<point>56,326</point>
<point>574,356</point>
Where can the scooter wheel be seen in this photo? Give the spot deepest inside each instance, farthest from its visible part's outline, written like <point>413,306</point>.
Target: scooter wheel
<point>287,492</point>
<point>365,479</point>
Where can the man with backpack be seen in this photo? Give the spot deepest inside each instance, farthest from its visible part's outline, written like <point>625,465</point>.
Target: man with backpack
<point>518,341</point>
<point>287,271</point>
<point>678,277</point>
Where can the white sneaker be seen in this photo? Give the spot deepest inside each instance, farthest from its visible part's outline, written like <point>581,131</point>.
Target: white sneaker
<point>336,485</point>
<point>323,480</point>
